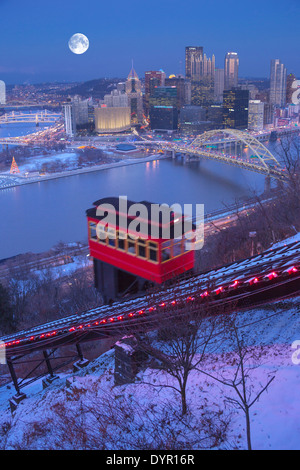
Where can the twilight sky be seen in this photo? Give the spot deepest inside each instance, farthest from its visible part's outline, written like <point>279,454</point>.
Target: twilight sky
<point>35,33</point>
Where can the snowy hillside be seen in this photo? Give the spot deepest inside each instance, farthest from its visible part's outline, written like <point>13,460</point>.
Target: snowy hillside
<point>87,411</point>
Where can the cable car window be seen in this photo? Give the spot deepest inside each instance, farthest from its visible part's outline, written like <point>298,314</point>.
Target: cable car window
<point>166,251</point>
<point>131,245</point>
<point>141,248</point>
<point>111,237</point>
<point>121,240</point>
<point>177,247</point>
<point>93,231</point>
<point>153,251</point>
<point>101,233</point>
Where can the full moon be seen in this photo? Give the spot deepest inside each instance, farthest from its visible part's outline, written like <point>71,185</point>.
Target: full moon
<point>79,43</point>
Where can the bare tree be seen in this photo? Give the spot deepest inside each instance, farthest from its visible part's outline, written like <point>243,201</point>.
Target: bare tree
<point>241,380</point>
<point>183,341</point>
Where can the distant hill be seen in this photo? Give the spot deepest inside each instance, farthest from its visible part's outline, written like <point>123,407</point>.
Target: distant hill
<point>94,88</point>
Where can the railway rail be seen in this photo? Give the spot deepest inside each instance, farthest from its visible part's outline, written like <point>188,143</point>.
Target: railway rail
<point>272,275</point>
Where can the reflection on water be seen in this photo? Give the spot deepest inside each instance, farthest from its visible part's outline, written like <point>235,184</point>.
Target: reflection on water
<point>36,216</point>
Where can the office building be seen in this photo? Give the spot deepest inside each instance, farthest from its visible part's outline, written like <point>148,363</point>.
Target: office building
<point>116,99</point>
<point>193,120</point>
<point>235,109</point>
<point>164,96</point>
<point>214,115</point>
<point>219,85</point>
<point>77,115</point>
<point>112,119</point>
<point>179,83</point>
<point>202,91</point>
<point>135,98</point>
<point>231,70</point>
<point>256,115</point>
<point>268,115</point>
<point>193,55</point>
<point>153,78</point>
<point>200,71</point>
<point>163,118</point>
<point>277,83</point>
<point>291,78</point>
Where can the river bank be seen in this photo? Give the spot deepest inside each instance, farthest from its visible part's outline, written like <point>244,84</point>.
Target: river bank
<point>18,180</point>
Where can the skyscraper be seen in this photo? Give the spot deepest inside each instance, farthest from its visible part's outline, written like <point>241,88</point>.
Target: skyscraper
<point>289,87</point>
<point>179,83</point>
<point>163,108</point>
<point>277,83</point>
<point>200,71</point>
<point>2,92</point>
<point>256,115</point>
<point>152,78</point>
<point>134,93</point>
<point>231,70</point>
<point>219,85</point>
<point>76,113</point>
<point>235,109</point>
<point>193,54</point>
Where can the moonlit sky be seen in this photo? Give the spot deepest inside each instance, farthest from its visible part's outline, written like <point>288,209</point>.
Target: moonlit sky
<point>154,33</point>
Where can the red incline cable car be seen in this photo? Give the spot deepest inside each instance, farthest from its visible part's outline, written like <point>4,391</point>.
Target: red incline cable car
<point>137,244</point>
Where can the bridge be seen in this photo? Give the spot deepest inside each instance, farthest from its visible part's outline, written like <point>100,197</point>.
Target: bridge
<point>55,132</point>
<point>232,147</point>
<point>270,276</point>
<point>37,118</point>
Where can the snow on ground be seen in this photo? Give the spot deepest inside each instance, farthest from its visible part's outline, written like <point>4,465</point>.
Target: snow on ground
<point>293,239</point>
<point>91,412</point>
<point>37,162</point>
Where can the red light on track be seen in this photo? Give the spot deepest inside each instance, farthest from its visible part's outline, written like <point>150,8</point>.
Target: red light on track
<point>151,309</point>
<point>292,270</point>
<point>111,319</point>
<point>272,275</point>
<point>131,315</point>
<point>72,329</point>
<point>219,290</point>
<point>120,317</point>
<point>173,302</point>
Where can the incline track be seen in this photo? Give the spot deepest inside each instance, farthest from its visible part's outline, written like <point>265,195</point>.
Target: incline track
<point>274,274</point>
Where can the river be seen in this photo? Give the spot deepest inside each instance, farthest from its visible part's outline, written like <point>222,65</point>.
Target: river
<point>35,217</point>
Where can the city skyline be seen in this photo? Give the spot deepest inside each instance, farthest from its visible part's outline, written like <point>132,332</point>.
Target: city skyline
<point>37,50</point>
